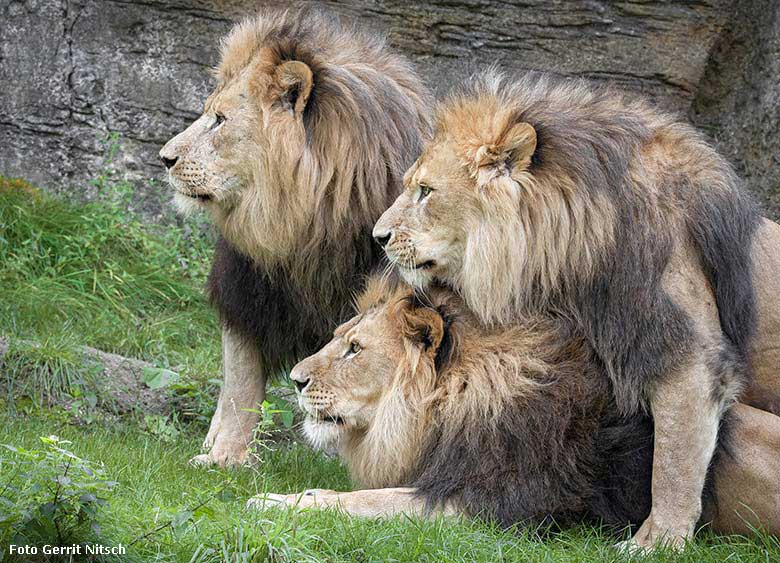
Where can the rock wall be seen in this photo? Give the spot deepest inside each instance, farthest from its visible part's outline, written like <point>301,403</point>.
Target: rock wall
<point>739,97</point>
<point>96,85</point>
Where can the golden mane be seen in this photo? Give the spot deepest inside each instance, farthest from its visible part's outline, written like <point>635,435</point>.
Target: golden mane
<point>558,225</point>
<point>498,368</point>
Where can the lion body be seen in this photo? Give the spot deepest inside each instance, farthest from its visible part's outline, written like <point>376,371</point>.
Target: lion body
<point>542,195</point>
<point>363,124</point>
<point>439,414</point>
<point>587,224</point>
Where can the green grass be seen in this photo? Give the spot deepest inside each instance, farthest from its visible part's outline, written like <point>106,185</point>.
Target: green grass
<point>92,274</point>
<point>95,274</point>
<point>155,484</point>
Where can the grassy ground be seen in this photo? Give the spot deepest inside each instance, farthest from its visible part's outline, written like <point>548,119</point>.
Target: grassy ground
<point>91,274</point>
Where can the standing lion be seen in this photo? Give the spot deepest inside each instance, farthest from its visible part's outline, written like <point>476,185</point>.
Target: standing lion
<point>300,147</point>
<point>549,196</point>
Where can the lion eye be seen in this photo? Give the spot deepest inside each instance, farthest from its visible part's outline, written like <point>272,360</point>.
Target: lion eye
<point>425,191</point>
<point>354,348</point>
<point>219,120</point>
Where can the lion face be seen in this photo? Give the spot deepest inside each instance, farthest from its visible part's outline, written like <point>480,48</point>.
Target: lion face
<point>200,161</point>
<point>225,160</point>
<point>345,387</point>
<point>481,215</point>
<point>303,142</point>
<point>424,232</point>
<point>341,386</point>
<point>466,186</point>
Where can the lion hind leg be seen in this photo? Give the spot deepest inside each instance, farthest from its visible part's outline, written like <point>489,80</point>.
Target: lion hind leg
<point>231,428</point>
<point>747,478</point>
<point>764,392</point>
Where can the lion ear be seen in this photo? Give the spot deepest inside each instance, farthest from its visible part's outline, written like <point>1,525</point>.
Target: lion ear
<point>423,327</point>
<point>295,81</point>
<point>510,154</point>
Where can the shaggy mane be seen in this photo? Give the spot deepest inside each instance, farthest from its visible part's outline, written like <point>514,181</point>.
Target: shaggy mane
<point>321,186</point>
<point>297,243</point>
<point>563,221</point>
<point>588,224</point>
<point>516,427</point>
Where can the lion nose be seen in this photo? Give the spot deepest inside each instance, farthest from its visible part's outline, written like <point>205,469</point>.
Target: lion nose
<point>301,385</point>
<point>382,238</point>
<point>301,380</point>
<point>169,162</point>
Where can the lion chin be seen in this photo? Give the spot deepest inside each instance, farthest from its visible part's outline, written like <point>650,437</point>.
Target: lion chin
<point>323,436</point>
<point>416,277</point>
<point>187,205</point>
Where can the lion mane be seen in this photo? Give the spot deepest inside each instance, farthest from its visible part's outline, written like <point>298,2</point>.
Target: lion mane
<point>297,244</point>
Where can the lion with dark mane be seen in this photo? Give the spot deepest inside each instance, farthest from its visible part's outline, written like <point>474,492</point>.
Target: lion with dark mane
<point>300,147</point>
<point>439,414</point>
<point>541,195</point>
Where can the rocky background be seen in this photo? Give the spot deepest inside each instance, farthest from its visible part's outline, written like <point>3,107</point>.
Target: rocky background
<point>90,86</point>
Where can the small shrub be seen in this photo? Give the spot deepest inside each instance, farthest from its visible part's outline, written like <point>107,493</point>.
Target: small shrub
<point>49,495</point>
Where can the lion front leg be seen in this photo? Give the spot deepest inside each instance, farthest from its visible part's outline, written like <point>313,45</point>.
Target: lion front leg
<point>369,503</point>
<point>686,418</point>
<point>687,405</point>
<point>230,431</point>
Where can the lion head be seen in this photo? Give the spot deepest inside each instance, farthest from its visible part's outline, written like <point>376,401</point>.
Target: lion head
<point>303,141</point>
<point>360,390</point>
<point>506,200</point>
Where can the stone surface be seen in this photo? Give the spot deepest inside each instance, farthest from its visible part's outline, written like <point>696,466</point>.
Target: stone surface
<point>122,379</point>
<point>82,76</point>
<point>739,97</point>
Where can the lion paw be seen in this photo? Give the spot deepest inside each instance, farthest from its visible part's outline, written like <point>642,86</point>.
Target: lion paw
<point>213,433</point>
<point>652,535</point>
<point>222,456</point>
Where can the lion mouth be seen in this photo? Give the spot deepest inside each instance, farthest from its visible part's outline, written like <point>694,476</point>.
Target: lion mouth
<point>198,197</point>
<point>427,265</point>
<point>324,418</point>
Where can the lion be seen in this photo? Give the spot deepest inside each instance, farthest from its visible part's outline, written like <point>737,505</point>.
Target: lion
<point>545,195</point>
<point>300,147</point>
<point>438,413</point>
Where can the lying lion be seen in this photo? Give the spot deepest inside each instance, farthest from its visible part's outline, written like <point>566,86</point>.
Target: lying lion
<point>517,425</point>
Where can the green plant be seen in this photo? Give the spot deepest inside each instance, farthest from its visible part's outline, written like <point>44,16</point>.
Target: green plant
<point>274,421</point>
<point>163,427</point>
<point>50,495</point>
